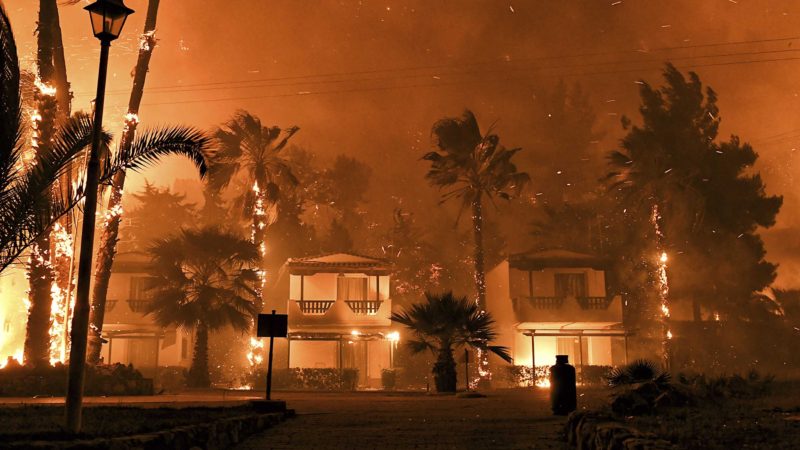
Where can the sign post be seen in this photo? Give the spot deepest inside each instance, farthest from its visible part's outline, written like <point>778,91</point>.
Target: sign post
<point>272,326</point>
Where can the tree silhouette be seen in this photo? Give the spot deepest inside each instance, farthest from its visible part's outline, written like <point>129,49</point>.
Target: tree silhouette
<point>203,280</point>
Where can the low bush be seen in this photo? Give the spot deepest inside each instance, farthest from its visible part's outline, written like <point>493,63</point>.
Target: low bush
<point>172,378</point>
<point>388,378</point>
<point>523,376</point>
<point>309,379</point>
<point>110,379</point>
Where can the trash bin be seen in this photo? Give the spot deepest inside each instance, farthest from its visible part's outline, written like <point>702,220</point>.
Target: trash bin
<point>563,391</point>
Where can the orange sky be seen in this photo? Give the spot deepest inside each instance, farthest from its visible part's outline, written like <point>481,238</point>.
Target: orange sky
<point>337,70</point>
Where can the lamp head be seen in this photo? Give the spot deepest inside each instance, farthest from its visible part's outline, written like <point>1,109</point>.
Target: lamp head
<point>108,17</point>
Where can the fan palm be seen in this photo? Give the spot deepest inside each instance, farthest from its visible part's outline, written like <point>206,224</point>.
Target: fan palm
<point>442,324</point>
<point>203,280</point>
<point>474,166</point>
<point>252,153</point>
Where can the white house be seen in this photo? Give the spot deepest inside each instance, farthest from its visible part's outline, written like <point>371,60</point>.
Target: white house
<point>131,337</point>
<point>338,307</point>
<point>555,302</point>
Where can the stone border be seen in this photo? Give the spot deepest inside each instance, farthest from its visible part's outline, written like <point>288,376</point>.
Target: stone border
<point>594,431</point>
<point>222,433</point>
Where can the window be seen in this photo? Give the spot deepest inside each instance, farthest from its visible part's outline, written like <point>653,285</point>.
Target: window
<point>351,288</point>
<point>184,348</point>
<point>571,285</point>
<point>139,286</point>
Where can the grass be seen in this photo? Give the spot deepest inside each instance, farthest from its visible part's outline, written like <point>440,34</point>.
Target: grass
<point>45,422</point>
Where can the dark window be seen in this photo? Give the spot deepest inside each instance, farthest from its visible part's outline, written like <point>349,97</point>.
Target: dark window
<point>571,285</point>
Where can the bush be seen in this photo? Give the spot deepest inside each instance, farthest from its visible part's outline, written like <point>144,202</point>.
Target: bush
<point>523,376</point>
<point>308,379</point>
<point>112,379</point>
<point>388,378</point>
<point>172,378</point>
<point>594,375</point>
<point>752,385</point>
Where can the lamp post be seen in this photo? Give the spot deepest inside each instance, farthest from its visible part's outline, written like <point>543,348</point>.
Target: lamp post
<point>107,17</point>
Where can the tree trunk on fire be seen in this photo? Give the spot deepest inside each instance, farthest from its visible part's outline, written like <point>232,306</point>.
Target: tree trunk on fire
<point>198,373</point>
<point>477,229</point>
<point>40,271</point>
<point>110,235</point>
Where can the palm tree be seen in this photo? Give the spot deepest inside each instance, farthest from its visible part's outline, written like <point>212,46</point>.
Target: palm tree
<point>110,234</point>
<point>252,153</point>
<point>474,166</point>
<point>203,280</point>
<point>444,323</point>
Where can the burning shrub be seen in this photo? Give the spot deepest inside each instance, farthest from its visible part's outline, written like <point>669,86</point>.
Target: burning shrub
<point>523,376</point>
<point>309,379</point>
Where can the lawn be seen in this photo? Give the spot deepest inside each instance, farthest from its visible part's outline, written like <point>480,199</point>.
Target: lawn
<point>44,422</point>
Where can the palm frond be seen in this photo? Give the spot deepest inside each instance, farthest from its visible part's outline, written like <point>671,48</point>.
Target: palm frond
<point>151,145</point>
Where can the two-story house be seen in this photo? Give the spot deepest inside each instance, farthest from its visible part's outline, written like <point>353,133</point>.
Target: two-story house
<point>555,302</point>
<point>338,307</point>
<point>130,336</point>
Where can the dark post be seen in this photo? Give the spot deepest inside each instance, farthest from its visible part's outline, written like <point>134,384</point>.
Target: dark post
<point>466,367</point>
<point>269,363</point>
<point>80,318</point>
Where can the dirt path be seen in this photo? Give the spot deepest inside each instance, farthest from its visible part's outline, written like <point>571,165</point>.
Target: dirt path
<point>518,419</point>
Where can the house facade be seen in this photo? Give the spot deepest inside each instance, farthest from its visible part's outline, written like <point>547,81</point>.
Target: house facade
<point>129,336</point>
<point>338,308</point>
<point>555,302</point>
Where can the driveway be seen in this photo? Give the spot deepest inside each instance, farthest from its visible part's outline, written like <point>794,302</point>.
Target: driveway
<point>506,419</point>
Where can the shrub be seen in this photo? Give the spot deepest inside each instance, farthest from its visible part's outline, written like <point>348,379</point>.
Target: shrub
<point>308,379</point>
<point>388,378</point>
<point>523,376</point>
<point>594,375</point>
<point>110,379</point>
<point>752,385</point>
<point>172,378</point>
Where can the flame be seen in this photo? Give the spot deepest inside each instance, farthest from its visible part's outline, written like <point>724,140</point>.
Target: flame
<point>543,383</point>
<point>60,303</point>
<point>44,88</point>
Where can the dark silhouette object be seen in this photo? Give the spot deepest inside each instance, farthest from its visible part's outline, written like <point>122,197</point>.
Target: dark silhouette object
<point>563,390</point>
<point>444,323</point>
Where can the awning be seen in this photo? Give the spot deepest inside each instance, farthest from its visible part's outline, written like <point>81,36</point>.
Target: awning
<point>572,329</point>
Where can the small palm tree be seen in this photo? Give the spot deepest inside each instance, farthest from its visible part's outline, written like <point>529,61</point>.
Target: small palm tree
<point>444,323</point>
<point>639,371</point>
<point>203,280</point>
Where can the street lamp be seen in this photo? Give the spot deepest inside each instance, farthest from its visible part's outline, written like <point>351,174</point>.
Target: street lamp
<point>108,17</point>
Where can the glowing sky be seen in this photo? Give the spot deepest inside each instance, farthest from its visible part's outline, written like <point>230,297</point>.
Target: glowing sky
<point>334,68</point>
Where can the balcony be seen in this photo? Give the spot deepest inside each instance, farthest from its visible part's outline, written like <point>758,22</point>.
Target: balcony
<point>110,304</point>
<point>546,302</point>
<point>594,302</point>
<point>364,307</point>
<point>314,307</point>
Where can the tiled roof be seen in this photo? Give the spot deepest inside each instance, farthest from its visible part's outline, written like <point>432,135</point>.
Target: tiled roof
<point>338,260</point>
<point>556,258</point>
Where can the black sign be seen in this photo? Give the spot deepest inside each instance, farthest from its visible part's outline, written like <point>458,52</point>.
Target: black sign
<point>272,325</point>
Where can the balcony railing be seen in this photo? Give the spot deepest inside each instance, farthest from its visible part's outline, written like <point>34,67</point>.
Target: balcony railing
<point>546,302</point>
<point>558,302</point>
<point>138,305</point>
<point>594,302</point>
<point>366,307</point>
<point>314,307</point>
<point>110,304</point>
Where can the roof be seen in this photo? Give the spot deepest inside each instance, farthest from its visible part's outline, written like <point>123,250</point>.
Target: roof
<point>336,262</point>
<point>556,258</point>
